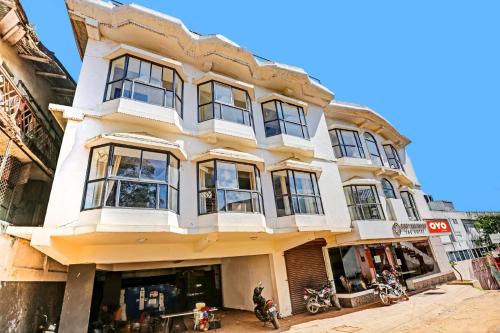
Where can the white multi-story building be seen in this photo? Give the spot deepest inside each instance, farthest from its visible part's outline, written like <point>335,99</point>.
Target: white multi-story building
<point>191,169</point>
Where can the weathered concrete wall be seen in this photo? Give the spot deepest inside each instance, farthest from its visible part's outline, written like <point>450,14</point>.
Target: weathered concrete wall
<point>21,303</point>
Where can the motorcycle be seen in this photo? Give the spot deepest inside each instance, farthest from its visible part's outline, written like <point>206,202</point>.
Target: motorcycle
<point>265,310</point>
<point>389,289</point>
<point>321,299</point>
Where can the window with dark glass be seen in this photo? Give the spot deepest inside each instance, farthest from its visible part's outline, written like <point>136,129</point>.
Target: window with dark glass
<point>363,202</point>
<point>217,100</point>
<point>346,143</point>
<point>296,192</point>
<point>410,206</point>
<point>122,176</point>
<point>371,143</point>
<point>393,157</point>
<point>225,186</point>
<point>389,192</point>
<point>284,118</point>
<point>144,81</point>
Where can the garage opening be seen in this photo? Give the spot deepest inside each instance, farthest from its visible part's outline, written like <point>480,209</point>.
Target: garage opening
<point>305,267</point>
<point>134,297</point>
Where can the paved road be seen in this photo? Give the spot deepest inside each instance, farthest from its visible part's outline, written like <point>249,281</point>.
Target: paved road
<point>453,309</point>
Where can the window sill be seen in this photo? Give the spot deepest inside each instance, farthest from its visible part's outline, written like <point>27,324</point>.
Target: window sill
<point>217,129</point>
<point>290,144</point>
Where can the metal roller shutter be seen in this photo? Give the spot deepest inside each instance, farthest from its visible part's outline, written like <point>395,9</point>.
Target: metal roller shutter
<point>305,267</point>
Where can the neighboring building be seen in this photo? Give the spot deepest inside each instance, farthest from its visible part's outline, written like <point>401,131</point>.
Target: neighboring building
<point>463,241</point>
<point>31,283</point>
<point>191,169</point>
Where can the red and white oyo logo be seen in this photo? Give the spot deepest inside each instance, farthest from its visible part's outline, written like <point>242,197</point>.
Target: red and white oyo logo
<point>438,226</point>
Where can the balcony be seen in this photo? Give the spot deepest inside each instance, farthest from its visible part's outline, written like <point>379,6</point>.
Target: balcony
<point>441,205</point>
<point>290,144</point>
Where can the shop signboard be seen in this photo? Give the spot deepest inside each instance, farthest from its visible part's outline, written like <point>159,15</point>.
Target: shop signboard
<point>438,226</point>
<point>409,229</point>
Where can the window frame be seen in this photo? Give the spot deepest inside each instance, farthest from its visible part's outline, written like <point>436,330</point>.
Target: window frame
<point>215,115</point>
<point>216,188</point>
<point>410,205</point>
<point>341,144</point>
<point>291,195</point>
<point>378,156</point>
<point>175,96</point>
<point>358,205</point>
<point>395,157</point>
<point>386,181</point>
<point>280,119</point>
<point>107,178</point>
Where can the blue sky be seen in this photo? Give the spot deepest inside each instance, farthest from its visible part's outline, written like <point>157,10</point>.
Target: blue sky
<point>432,68</point>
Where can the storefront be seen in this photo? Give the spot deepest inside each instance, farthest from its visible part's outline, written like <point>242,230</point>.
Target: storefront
<point>357,258</point>
<point>135,298</point>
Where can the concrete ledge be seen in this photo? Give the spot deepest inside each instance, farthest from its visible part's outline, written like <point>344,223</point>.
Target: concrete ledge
<point>430,280</point>
<point>357,299</point>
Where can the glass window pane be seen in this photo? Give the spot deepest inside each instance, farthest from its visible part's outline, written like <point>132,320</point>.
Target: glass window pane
<point>126,162</point>
<point>117,69</point>
<point>114,90</point>
<point>238,201</point>
<point>302,116</point>
<point>148,94</point>
<point>145,72</point>
<point>269,111</point>
<point>153,166</point>
<point>133,68</point>
<point>240,99</point>
<point>168,79</point>
<point>127,89</point>
<point>93,196</point>
<point>178,85</point>
<point>349,138</point>
<point>205,93</point>
<point>290,113</point>
<point>279,183</point>
<point>173,195</point>
<point>303,183</point>
<point>337,152</point>
<point>349,195</point>
<point>272,128</point>
<point>156,75</point>
<point>307,205</point>
<point>99,163</point>
<point>162,197</point>
<point>207,201</point>
<point>227,176</point>
<point>206,175</point>
<point>334,138</point>
<point>137,195</point>
<point>246,177</point>
<point>294,129</point>
<point>234,115</point>
<point>319,205</point>
<point>257,203</point>
<point>223,94</point>
<point>173,172</point>
<point>221,201</point>
<point>365,194</point>
<point>178,106</point>
<point>206,112</point>
<point>110,195</point>
<point>283,206</point>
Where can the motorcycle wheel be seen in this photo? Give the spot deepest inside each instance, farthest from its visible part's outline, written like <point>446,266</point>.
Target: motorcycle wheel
<point>310,306</point>
<point>259,316</point>
<point>384,298</point>
<point>405,296</point>
<point>275,322</point>
<point>336,303</point>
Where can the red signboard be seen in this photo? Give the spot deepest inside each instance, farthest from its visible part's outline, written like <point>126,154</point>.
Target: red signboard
<point>438,226</point>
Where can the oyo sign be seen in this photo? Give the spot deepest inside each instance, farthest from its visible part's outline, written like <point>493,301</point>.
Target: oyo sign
<point>438,226</point>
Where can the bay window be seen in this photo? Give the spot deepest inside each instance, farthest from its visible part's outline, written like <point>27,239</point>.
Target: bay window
<point>120,176</point>
<point>225,186</point>
<point>284,118</point>
<point>410,206</point>
<point>363,202</point>
<point>393,157</point>
<point>346,143</point>
<point>144,81</point>
<point>296,192</point>
<point>217,100</point>
<point>371,143</point>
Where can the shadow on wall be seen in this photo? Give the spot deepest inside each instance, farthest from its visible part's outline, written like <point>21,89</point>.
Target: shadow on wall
<point>23,303</point>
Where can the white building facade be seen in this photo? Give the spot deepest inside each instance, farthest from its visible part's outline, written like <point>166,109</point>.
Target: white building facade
<point>192,169</point>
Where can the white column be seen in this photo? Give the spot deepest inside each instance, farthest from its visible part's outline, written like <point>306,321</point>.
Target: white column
<point>281,291</point>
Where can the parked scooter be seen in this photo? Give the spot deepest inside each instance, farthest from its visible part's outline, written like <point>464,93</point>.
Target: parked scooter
<point>321,299</point>
<point>265,310</point>
<point>389,289</point>
<point>45,326</point>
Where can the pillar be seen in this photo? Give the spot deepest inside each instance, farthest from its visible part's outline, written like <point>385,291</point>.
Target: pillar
<point>281,290</point>
<point>77,299</point>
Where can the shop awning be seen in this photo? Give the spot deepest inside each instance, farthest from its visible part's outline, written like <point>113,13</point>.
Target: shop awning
<point>139,140</point>
<point>295,164</point>
<point>230,154</point>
